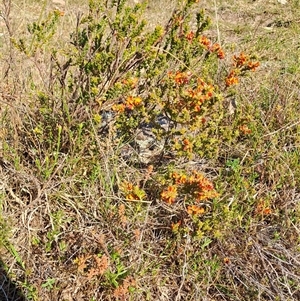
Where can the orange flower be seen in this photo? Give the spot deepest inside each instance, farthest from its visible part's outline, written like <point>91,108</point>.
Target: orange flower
<point>169,195</point>
<point>131,82</point>
<point>131,197</point>
<point>122,291</point>
<point>196,185</point>
<point>252,66</point>
<point>197,108</point>
<point>205,42</point>
<point>240,61</point>
<point>262,209</point>
<point>132,192</point>
<point>195,210</point>
<point>132,102</point>
<point>190,36</point>
<point>179,179</point>
<point>205,184</point>
<point>267,211</point>
<point>231,79</point>
<point>208,95</point>
<point>119,108</point>
<point>244,129</point>
<point>191,93</point>
<point>218,49</point>
<point>221,54</point>
<point>127,186</point>
<point>175,175</point>
<point>99,265</point>
<point>201,187</point>
<point>181,78</point>
<point>206,195</point>
<point>188,145</point>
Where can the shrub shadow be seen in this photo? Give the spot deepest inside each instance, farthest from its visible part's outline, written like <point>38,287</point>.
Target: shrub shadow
<point>9,290</point>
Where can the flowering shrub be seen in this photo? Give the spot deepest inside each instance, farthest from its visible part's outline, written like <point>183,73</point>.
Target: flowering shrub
<point>113,80</point>
<point>114,66</point>
<point>165,80</point>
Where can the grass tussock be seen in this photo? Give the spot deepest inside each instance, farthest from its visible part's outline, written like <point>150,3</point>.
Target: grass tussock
<point>149,155</point>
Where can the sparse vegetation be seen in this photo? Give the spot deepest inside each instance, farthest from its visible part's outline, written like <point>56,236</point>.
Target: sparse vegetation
<point>146,158</point>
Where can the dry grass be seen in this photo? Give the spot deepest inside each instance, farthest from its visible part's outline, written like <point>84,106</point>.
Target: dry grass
<point>73,235</point>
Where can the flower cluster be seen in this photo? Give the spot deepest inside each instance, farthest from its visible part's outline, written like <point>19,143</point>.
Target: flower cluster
<point>169,194</point>
<point>130,104</point>
<point>187,145</point>
<point>180,78</point>
<point>92,265</point>
<point>231,79</point>
<point>242,61</point>
<point>205,42</point>
<point>244,129</point>
<point>213,48</point>
<point>203,92</point>
<point>241,64</point>
<point>262,208</point>
<point>190,36</point>
<point>195,210</point>
<point>216,48</point>
<point>132,192</point>
<point>195,186</point>
<point>191,99</point>
<point>175,226</point>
